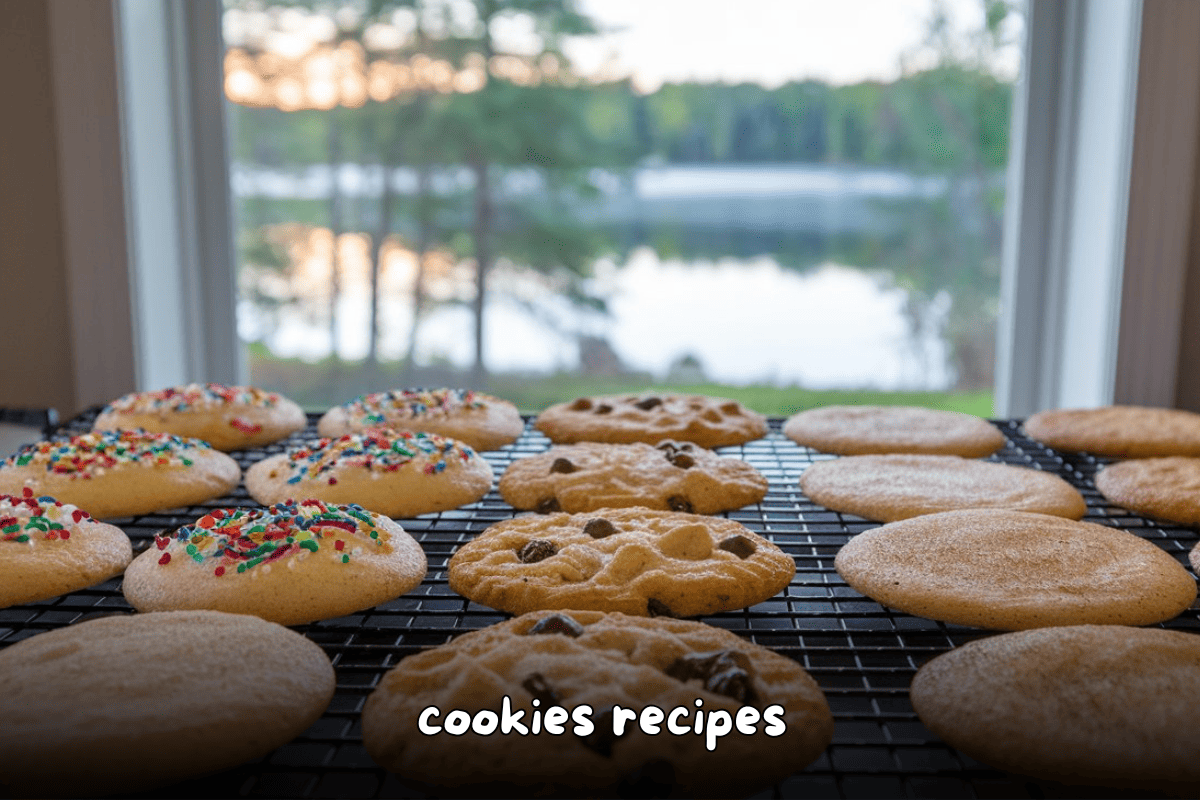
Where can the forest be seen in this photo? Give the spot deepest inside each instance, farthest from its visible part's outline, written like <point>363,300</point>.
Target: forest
<point>509,152</point>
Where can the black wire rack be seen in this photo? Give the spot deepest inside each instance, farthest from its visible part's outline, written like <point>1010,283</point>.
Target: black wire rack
<point>863,655</point>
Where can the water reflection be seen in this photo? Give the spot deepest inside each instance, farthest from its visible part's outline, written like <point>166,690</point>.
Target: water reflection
<point>741,320</point>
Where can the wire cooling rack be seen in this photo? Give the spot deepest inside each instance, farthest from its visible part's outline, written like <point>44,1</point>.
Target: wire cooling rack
<point>863,655</point>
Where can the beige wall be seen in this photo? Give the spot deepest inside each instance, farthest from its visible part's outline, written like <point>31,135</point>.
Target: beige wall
<point>63,257</point>
<point>37,343</point>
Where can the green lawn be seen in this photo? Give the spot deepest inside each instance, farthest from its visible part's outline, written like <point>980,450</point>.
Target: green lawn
<point>321,385</point>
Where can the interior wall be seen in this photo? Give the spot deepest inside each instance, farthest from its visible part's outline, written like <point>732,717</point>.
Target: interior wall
<point>63,248</point>
<point>1187,389</point>
<point>37,335</point>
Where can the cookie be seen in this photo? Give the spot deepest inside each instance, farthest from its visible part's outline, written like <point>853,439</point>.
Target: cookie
<point>1098,705</point>
<point>227,417</point>
<point>291,563</point>
<point>48,548</point>
<point>589,664</point>
<point>1012,570</point>
<point>651,418</point>
<point>669,476</point>
<point>1167,488</point>
<point>121,473</point>
<point>896,487</point>
<point>394,473</point>
<point>1118,431</point>
<point>869,430</point>
<point>480,420</point>
<point>131,702</point>
<point>632,560</point>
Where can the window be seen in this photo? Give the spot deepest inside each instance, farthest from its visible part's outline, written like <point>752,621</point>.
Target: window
<point>649,214</point>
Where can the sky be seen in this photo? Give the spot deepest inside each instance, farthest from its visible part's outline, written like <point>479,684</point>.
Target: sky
<point>766,41</point>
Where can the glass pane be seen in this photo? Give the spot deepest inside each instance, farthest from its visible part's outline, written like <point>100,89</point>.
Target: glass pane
<point>791,203</point>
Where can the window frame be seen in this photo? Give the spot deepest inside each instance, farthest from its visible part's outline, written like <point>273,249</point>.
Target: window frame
<point>1073,317</point>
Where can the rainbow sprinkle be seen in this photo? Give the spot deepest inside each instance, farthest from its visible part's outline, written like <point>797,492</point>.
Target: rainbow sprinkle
<point>378,450</point>
<point>385,407</point>
<point>26,519</point>
<point>239,539</point>
<point>90,454</point>
<point>194,396</point>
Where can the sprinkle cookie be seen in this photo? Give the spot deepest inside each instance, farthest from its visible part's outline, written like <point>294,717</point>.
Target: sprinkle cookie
<point>394,473</point>
<point>590,664</point>
<point>1012,570</point>
<point>227,417</point>
<point>480,420</point>
<point>632,560</point>
<point>1118,431</point>
<point>669,476</point>
<point>866,430</point>
<point>896,487</point>
<point>121,473</point>
<point>132,702</point>
<point>291,563</point>
<point>48,548</point>
<point>1166,488</point>
<point>1098,705</point>
<point>652,418</point>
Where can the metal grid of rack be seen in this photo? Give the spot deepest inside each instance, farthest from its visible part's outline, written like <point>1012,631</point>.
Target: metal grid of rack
<point>862,654</point>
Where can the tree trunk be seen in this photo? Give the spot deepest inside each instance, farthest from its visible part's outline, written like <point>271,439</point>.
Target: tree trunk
<point>386,201</point>
<point>484,213</point>
<point>335,227</point>
<point>422,245</point>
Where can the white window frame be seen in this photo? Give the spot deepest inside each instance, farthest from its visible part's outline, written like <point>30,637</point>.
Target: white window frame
<point>1075,322</point>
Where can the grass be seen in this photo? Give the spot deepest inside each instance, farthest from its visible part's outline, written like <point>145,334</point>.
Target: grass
<point>317,386</point>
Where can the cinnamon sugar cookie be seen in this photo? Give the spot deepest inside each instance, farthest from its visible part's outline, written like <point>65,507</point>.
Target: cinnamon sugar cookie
<point>1013,570</point>
<point>1118,431</point>
<point>394,473</point>
<point>227,417</point>
<point>131,702</point>
<point>865,430</point>
<point>601,661</point>
<point>291,563</point>
<point>480,420</point>
<point>48,548</point>
<point>121,473</point>
<point>1097,705</point>
<point>651,418</point>
<point>632,560</point>
<point>674,476</point>
<point>896,487</point>
<point>1167,488</point>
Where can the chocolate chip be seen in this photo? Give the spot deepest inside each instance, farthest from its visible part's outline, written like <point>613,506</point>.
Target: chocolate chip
<point>536,550</point>
<point>678,502</point>
<point>599,528</point>
<point>725,672</point>
<point>670,445</point>
<point>652,779</point>
<point>657,608</point>
<point>537,686</point>
<point>548,505</point>
<point>603,408</point>
<point>681,460</point>
<point>562,465</point>
<point>731,408</point>
<point>649,403</point>
<point>557,623</point>
<point>582,404</point>
<point>602,739</point>
<point>739,545</point>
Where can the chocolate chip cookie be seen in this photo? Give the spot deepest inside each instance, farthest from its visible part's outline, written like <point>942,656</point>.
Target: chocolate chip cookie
<point>651,418</point>
<point>589,666</point>
<point>632,560</point>
<point>669,476</point>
